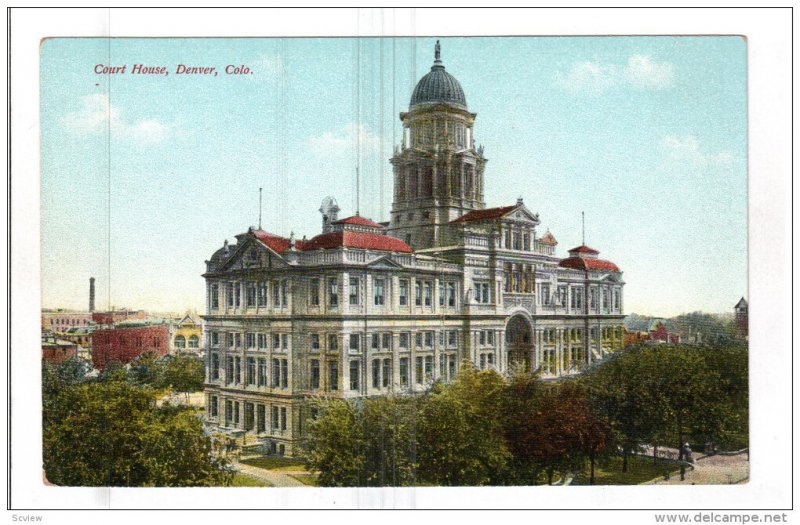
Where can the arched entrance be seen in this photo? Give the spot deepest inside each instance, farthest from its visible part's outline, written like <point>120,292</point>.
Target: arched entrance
<point>519,344</point>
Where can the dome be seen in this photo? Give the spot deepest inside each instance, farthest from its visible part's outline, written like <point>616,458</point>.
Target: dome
<point>438,86</point>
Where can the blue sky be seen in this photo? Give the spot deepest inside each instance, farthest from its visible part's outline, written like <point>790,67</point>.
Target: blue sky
<point>647,135</point>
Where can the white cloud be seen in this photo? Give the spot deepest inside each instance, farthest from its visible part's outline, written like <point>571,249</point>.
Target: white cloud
<point>344,141</point>
<point>595,78</point>
<point>641,71</point>
<point>686,149</point>
<point>98,115</point>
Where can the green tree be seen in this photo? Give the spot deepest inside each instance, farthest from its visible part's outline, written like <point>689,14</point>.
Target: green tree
<point>183,373</point>
<point>459,436</point>
<point>112,433</point>
<point>335,446</point>
<point>147,369</point>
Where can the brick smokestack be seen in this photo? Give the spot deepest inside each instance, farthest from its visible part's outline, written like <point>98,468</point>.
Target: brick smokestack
<point>91,294</point>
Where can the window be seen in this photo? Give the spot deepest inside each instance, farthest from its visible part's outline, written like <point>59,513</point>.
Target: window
<point>228,412</point>
<point>238,370</point>
<point>592,298</point>
<point>545,292</point>
<point>237,302</point>
<point>376,373</point>
<point>616,298</point>
<point>418,339</point>
<point>418,295</point>
<point>387,371</point>
<point>451,294</point>
<point>229,370</point>
<point>314,374</point>
<point>376,341</point>
<point>249,416</point>
<point>229,340</point>
<point>483,361</point>
<point>237,340</point>
<point>354,343</point>
<point>261,418</point>
<point>284,293</point>
<point>262,372</point>
<point>276,418</point>
<point>428,367</point>
<point>418,370</point>
<point>562,295</point>
<point>481,292</point>
<point>442,293</point>
<point>386,342</point>
<point>403,292</point>
<point>180,341</point>
<point>354,285</point>
<point>283,419</point>
<point>262,341</point>
<point>482,337</point>
<point>214,366</point>
<point>490,358</point>
<point>276,373</point>
<point>333,376</point>
<point>276,341</point>
<point>404,340</point>
<point>250,340</point>
<point>576,297</point>
<point>516,241</point>
<point>333,293</point>
<point>429,339</point>
<point>379,292</point>
<point>250,373</point>
<point>354,383</point>
<point>236,413</point>
<point>452,338</point>
<point>229,295</point>
<point>213,408</point>
<point>214,292</point>
<point>262,294</point>
<point>315,341</point>
<point>333,343</point>
<point>284,373</point>
<point>284,341</point>
<point>452,365</point>
<point>194,341</point>
<point>250,296</point>
<point>490,337</point>
<point>313,292</point>
<point>276,294</point>
<point>605,298</point>
<point>404,371</point>
<point>428,293</point>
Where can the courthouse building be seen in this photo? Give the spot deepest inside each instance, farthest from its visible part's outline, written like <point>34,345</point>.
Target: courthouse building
<point>367,309</point>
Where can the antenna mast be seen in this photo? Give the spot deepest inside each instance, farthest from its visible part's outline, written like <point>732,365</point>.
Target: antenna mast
<point>583,229</point>
<point>259,207</point>
<point>358,191</point>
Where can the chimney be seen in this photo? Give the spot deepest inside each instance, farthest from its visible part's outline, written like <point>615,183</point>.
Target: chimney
<point>91,294</point>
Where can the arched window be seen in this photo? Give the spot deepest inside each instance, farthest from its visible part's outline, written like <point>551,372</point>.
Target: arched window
<point>194,341</point>
<point>180,341</point>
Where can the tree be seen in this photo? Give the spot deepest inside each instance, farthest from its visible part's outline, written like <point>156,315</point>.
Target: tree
<point>111,433</point>
<point>184,373</point>
<point>147,369</point>
<point>334,445</point>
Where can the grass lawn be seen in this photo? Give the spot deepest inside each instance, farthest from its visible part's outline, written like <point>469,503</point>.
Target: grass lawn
<point>275,462</point>
<point>306,479</point>
<point>640,469</point>
<point>240,480</point>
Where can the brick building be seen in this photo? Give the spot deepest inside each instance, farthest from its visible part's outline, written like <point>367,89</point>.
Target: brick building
<point>59,321</point>
<point>113,317</point>
<point>56,351</point>
<point>124,343</point>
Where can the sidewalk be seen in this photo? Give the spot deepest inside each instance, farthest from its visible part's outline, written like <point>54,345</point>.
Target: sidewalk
<point>277,479</point>
<point>713,470</point>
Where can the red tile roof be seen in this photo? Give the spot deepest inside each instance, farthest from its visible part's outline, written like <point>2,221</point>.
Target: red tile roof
<point>358,220</point>
<point>486,214</point>
<point>548,238</point>
<point>584,249</point>
<point>579,263</point>
<point>276,243</point>
<point>366,241</point>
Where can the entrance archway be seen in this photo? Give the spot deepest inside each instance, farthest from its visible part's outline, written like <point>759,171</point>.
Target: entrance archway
<point>519,344</point>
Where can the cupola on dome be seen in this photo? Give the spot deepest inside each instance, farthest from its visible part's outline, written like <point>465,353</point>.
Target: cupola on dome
<point>438,86</point>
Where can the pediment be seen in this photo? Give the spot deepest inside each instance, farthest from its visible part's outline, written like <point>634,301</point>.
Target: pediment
<point>385,262</point>
<point>252,254</point>
<point>522,214</point>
